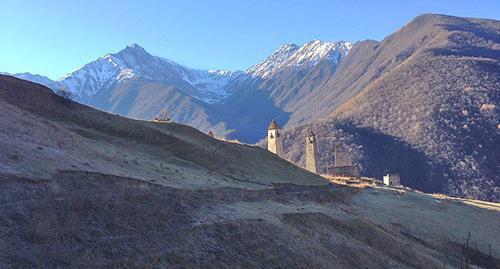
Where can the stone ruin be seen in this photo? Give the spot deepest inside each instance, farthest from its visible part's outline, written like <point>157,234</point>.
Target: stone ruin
<point>163,118</point>
<point>392,180</point>
<point>342,157</point>
<point>343,165</point>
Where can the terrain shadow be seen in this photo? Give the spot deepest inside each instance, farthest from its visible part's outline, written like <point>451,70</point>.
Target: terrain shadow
<point>385,154</point>
<point>376,153</point>
<point>247,123</point>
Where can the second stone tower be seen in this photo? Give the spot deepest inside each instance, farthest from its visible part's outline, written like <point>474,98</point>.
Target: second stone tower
<point>311,152</point>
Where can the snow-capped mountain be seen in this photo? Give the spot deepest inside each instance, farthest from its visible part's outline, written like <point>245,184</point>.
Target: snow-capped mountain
<point>43,80</point>
<point>209,86</point>
<point>136,84</point>
<point>293,56</point>
<point>274,61</point>
<point>135,63</point>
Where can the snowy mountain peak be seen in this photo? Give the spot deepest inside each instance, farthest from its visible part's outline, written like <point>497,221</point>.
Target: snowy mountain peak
<point>287,47</point>
<point>134,49</point>
<point>290,55</point>
<point>134,62</point>
<point>274,61</point>
<point>135,46</point>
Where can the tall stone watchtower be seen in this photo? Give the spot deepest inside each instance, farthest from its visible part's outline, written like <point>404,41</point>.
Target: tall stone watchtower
<point>311,152</point>
<point>273,138</point>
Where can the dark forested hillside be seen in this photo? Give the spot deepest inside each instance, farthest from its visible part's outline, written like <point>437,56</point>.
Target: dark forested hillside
<point>432,106</point>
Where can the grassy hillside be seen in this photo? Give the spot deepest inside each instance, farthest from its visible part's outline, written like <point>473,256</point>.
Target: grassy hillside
<point>83,188</point>
<point>53,134</point>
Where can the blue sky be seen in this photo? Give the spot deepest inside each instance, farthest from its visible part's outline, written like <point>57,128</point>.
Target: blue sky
<point>55,37</point>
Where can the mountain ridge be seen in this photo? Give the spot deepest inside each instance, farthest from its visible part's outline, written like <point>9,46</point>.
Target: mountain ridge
<point>134,61</point>
<point>205,99</point>
<point>422,93</point>
<point>379,89</point>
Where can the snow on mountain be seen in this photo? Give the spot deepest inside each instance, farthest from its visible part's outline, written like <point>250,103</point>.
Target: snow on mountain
<point>209,86</point>
<point>274,61</point>
<point>134,62</point>
<point>92,77</point>
<point>291,55</point>
<point>129,63</point>
<point>43,80</point>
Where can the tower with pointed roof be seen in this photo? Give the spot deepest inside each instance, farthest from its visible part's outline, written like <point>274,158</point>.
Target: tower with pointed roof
<point>311,152</point>
<point>273,138</point>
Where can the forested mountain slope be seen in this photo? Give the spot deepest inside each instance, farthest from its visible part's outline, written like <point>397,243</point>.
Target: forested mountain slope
<point>433,92</point>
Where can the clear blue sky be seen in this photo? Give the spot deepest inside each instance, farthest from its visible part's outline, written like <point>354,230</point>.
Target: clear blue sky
<point>55,37</point>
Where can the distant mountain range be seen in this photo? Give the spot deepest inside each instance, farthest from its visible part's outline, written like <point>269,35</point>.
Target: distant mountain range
<point>137,84</point>
<point>423,102</point>
<point>209,86</point>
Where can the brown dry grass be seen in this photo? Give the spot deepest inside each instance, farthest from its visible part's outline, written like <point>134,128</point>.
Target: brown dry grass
<point>195,201</point>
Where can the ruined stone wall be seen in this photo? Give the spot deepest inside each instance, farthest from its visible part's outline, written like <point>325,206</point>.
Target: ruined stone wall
<point>348,171</point>
<point>392,180</point>
<point>342,157</point>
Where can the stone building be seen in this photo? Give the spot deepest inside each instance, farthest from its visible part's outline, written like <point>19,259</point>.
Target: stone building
<point>163,118</point>
<point>311,152</point>
<point>273,138</point>
<point>392,180</point>
<point>342,156</point>
<point>343,165</point>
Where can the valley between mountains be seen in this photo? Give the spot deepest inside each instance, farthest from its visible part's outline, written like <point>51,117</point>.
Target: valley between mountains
<point>423,102</point>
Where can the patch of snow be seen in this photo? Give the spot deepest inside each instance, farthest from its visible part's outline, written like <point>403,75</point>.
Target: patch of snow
<point>291,55</point>
<point>274,62</point>
<point>211,84</point>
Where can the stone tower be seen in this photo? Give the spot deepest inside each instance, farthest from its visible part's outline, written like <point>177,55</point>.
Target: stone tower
<point>273,138</point>
<point>311,152</point>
